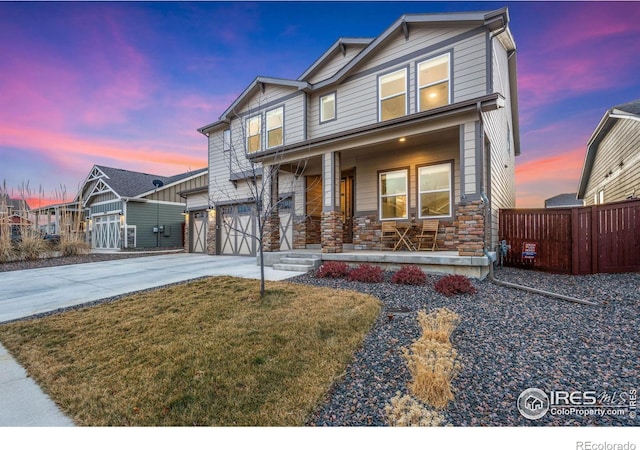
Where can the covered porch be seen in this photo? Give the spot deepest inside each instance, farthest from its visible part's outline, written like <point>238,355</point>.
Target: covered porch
<point>438,262</point>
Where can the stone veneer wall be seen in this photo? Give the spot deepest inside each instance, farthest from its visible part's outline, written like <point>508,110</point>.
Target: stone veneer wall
<point>211,232</point>
<point>187,221</point>
<point>271,237</point>
<point>299,233</point>
<point>367,231</point>
<point>331,232</point>
<point>470,217</point>
<point>313,230</point>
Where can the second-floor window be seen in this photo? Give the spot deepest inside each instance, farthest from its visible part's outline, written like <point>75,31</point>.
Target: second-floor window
<point>392,92</point>
<point>328,107</point>
<point>433,82</point>
<point>275,127</point>
<point>254,133</point>
<point>226,140</point>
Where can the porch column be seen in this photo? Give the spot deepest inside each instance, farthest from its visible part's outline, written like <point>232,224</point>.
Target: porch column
<point>271,235</point>
<point>331,221</point>
<point>470,224</point>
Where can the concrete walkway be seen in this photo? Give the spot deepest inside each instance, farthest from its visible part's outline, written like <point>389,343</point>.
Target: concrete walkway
<point>24,293</point>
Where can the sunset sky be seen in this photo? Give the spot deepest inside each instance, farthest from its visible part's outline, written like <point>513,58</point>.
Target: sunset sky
<point>127,84</point>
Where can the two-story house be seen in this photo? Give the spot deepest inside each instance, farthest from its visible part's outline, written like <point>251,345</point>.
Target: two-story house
<point>420,122</point>
<point>611,170</point>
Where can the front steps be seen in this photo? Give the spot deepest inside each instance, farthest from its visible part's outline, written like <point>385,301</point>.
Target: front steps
<point>298,262</point>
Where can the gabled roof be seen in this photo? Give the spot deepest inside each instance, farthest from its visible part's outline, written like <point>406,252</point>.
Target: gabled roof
<point>128,183</point>
<point>629,110</point>
<point>563,200</point>
<point>14,203</point>
<point>496,21</point>
<point>339,46</point>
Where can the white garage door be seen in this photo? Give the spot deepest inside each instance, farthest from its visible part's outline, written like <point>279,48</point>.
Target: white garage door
<point>198,232</point>
<point>237,230</point>
<point>106,232</point>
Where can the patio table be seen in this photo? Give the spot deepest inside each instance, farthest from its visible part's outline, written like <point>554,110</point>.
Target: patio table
<point>404,230</point>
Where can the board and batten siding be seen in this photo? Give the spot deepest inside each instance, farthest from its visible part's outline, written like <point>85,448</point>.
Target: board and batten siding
<point>621,144</point>
<point>107,208</point>
<point>357,96</point>
<point>368,166</point>
<point>170,194</point>
<point>145,216</point>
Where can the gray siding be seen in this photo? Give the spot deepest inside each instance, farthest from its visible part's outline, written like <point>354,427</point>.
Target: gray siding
<point>368,165</point>
<point>621,144</point>
<point>143,216</point>
<point>357,97</point>
<point>170,194</point>
<point>334,63</point>
<point>106,207</point>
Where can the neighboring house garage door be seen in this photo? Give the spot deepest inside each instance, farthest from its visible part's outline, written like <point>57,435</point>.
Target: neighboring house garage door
<point>106,232</point>
<point>198,232</point>
<point>238,226</point>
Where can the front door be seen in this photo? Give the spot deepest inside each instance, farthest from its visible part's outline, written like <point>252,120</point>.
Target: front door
<point>346,206</point>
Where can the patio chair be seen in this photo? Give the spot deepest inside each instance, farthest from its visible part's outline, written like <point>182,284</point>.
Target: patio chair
<point>389,233</point>
<point>429,233</point>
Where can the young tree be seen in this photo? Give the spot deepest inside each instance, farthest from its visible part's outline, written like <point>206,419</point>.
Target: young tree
<point>258,183</point>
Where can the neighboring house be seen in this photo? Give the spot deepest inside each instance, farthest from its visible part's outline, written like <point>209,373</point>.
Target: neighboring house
<point>563,201</point>
<point>125,209</point>
<point>420,122</point>
<point>611,170</point>
<point>14,213</point>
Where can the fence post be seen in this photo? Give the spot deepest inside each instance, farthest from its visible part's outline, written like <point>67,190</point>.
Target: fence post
<point>594,239</point>
<point>575,244</point>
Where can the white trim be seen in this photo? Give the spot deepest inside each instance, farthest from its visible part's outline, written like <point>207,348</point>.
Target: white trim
<point>267,129</point>
<point>434,83</point>
<point>246,127</point>
<point>405,92</point>
<point>406,194</point>
<point>450,190</point>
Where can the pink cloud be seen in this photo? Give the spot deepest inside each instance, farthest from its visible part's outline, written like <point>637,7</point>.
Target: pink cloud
<point>580,52</point>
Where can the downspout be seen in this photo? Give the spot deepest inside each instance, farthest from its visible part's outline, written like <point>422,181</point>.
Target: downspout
<point>494,280</point>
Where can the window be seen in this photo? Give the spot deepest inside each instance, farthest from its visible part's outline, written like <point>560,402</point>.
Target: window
<point>601,197</point>
<point>226,140</point>
<point>393,194</point>
<point>275,127</point>
<point>392,91</point>
<point>328,107</point>
<point>434,191</point>
<point>433,82</point>
<point>254,132</point>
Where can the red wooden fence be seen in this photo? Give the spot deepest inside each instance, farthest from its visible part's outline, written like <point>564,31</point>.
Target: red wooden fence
<point>592,239</point>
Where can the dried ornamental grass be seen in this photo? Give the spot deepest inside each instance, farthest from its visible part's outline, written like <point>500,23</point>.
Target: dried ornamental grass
<point>7,252</point>
<point>73,247</point>
<point>32,246</point>
<point>405,411</point>
<point>432,365</point>
<point>439,324</point>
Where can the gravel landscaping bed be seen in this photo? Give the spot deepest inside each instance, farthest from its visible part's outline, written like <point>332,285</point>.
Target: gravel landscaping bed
<point>67,260</point>
<point>508,341</point>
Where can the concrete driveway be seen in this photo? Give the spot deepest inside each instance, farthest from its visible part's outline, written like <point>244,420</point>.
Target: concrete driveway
<point>24,293</point>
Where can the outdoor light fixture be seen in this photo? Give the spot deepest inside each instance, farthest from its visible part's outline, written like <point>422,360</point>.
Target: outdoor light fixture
<point>157,184</point>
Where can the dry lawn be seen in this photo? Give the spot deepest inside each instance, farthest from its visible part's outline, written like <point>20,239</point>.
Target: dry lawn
<point>204,353</point>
